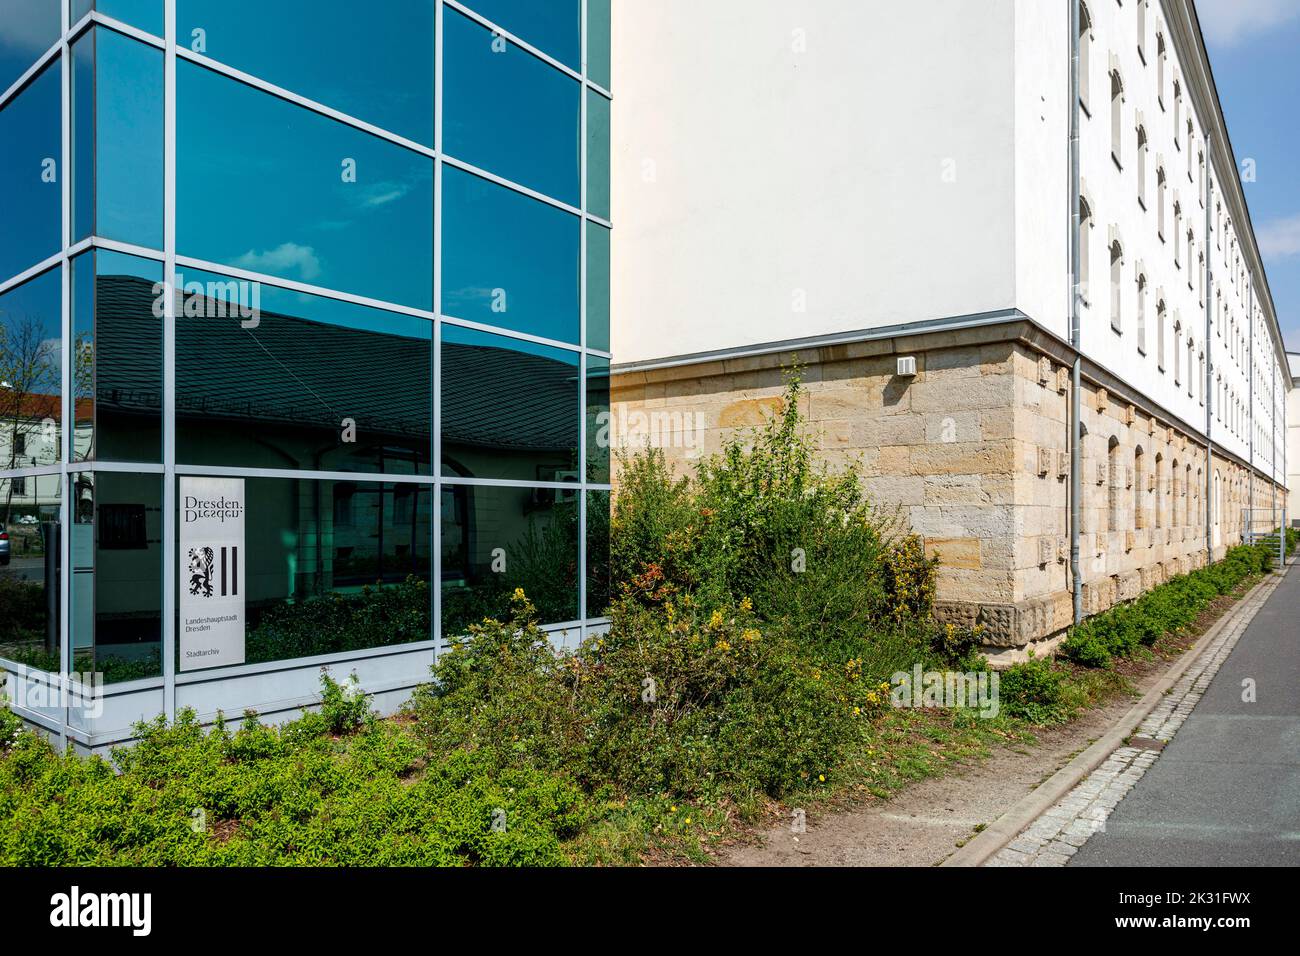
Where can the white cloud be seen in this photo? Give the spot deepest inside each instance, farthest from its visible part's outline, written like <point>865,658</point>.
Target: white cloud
<point>1227,22</point>
<point>1279,237</point>
<point>286,258</point>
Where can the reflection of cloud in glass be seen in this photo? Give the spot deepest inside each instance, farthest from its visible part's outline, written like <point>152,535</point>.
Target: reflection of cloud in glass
<point>381,194</point>
<point>285,258</point>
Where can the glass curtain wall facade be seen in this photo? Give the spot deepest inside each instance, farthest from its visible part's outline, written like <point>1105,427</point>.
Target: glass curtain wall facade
<point>338,276</point>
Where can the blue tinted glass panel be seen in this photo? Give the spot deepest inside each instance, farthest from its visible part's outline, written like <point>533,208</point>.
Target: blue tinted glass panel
<point>83,136</point>
<point>599,425</point>
<point>29,626</point>
<point>509,112</point>
<point>299,196</point>
<point>509,408</point>
<point>598,292</point>
<point>267,378</point>
<point>27,29</point>
<point>508,260</point>
<point>597,155</point>
<point>599,592</point>
<point>554,26</point>
<point>125,135</point>
<point>146,15</point>
<point>31,194</point>
<point>117,357</point>
<point>31,362</point>
<point>378,67</point>
<point>598,42</point>
<point>117,583</point>
<point>335,566</point>
<point>535,531</point>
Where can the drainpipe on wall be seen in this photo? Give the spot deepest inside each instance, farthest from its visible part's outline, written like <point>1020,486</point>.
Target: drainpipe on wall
<point>1209,360</point>
<point>1076,376</point>
<point>1250,506</point>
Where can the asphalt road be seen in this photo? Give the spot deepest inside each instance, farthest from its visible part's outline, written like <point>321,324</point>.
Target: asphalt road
<point>1226,790</point>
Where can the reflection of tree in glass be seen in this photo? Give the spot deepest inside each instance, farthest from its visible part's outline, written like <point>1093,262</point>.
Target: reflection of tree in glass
<point>30,372</point>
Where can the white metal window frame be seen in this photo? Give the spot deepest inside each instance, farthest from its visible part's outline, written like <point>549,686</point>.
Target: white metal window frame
<point>170,469</point>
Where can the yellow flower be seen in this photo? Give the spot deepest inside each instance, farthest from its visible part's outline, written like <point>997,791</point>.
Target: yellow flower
<point>688,820</point>
<point>857,711</point>
<point>716,619</point>
<point>519,595</point>
<point>821,777</point>
<point>746,604</point>
<point>723,646</point>
<point>751,635</point>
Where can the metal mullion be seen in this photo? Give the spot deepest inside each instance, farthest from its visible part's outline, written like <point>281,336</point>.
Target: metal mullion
<point>511,184</point>
<point>68,403</point>
<point>583,163</point>
<point>18,85</point>
<point>291,285</point>
<point>126,29</point>
<point>509,333</point>
<point>435,625</point>
<point>169,570</point>
<point>297,99</point>
<point>232,471</point>
<point>522,44</point>
<point>507,483</point>
<point>42,267</point>
<point>114,245</point>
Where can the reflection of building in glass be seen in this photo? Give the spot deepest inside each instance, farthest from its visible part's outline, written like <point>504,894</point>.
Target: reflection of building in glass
<point>387,333</point>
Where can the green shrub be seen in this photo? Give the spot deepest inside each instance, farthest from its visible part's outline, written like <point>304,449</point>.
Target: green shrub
<point>1168,608</point>
<point>763,520</point>
<point>343,706</point>
<point>1035,691</point>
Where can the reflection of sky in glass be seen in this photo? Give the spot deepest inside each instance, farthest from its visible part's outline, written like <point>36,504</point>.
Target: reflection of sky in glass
<point>597,287</point>
<point>375,66</point>
<point>30,206</point>
<point>30,28</point>
<point>554,27</point>
<point>509,112</point>
<point>128,140</point>
<point>462,336</point>
<point>597,155</point>
<point>145,14</point>
<point>508,260</point>
<point>598,41</point>
<point>262,185</point>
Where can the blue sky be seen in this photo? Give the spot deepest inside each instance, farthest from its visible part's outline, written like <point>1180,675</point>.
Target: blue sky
<point>1255,53</point>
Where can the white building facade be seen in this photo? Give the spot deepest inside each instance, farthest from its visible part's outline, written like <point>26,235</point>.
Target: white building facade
<point>846,184</point>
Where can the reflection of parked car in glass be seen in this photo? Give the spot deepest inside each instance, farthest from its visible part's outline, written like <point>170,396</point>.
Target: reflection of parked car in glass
<point>29,519</point>
<point>4,546</point>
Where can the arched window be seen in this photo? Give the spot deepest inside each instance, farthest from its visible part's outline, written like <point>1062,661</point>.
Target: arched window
<point>1162,57</point>
<point>1142,29</point>
<point>1161,184</point>
<point>1162,318</point>
<point>1117,118</point>
<point>1178,350</point>
<point>1142,312</point>
<point>1178,228</point>
<point>1139,489</point>
<point>1142,165</point>
<point>1175,495</point>
<point>1085,235</point>
<point>1116,296</point>
<point>1116,485</point>
<point>1160,490</point>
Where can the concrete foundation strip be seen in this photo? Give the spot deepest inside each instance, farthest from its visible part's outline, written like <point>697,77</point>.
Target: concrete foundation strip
<point>981,847</point>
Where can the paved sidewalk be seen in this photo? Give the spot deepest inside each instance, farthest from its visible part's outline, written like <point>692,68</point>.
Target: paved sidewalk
<point>1183,806</point>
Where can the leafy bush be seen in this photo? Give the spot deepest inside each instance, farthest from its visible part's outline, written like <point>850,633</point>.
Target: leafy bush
<point>290,796</point>
<point>1169,608</point>
<point>344,706</point>
<point>763,521</point>
<point>674,700</point>
<point>1035,691</point>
